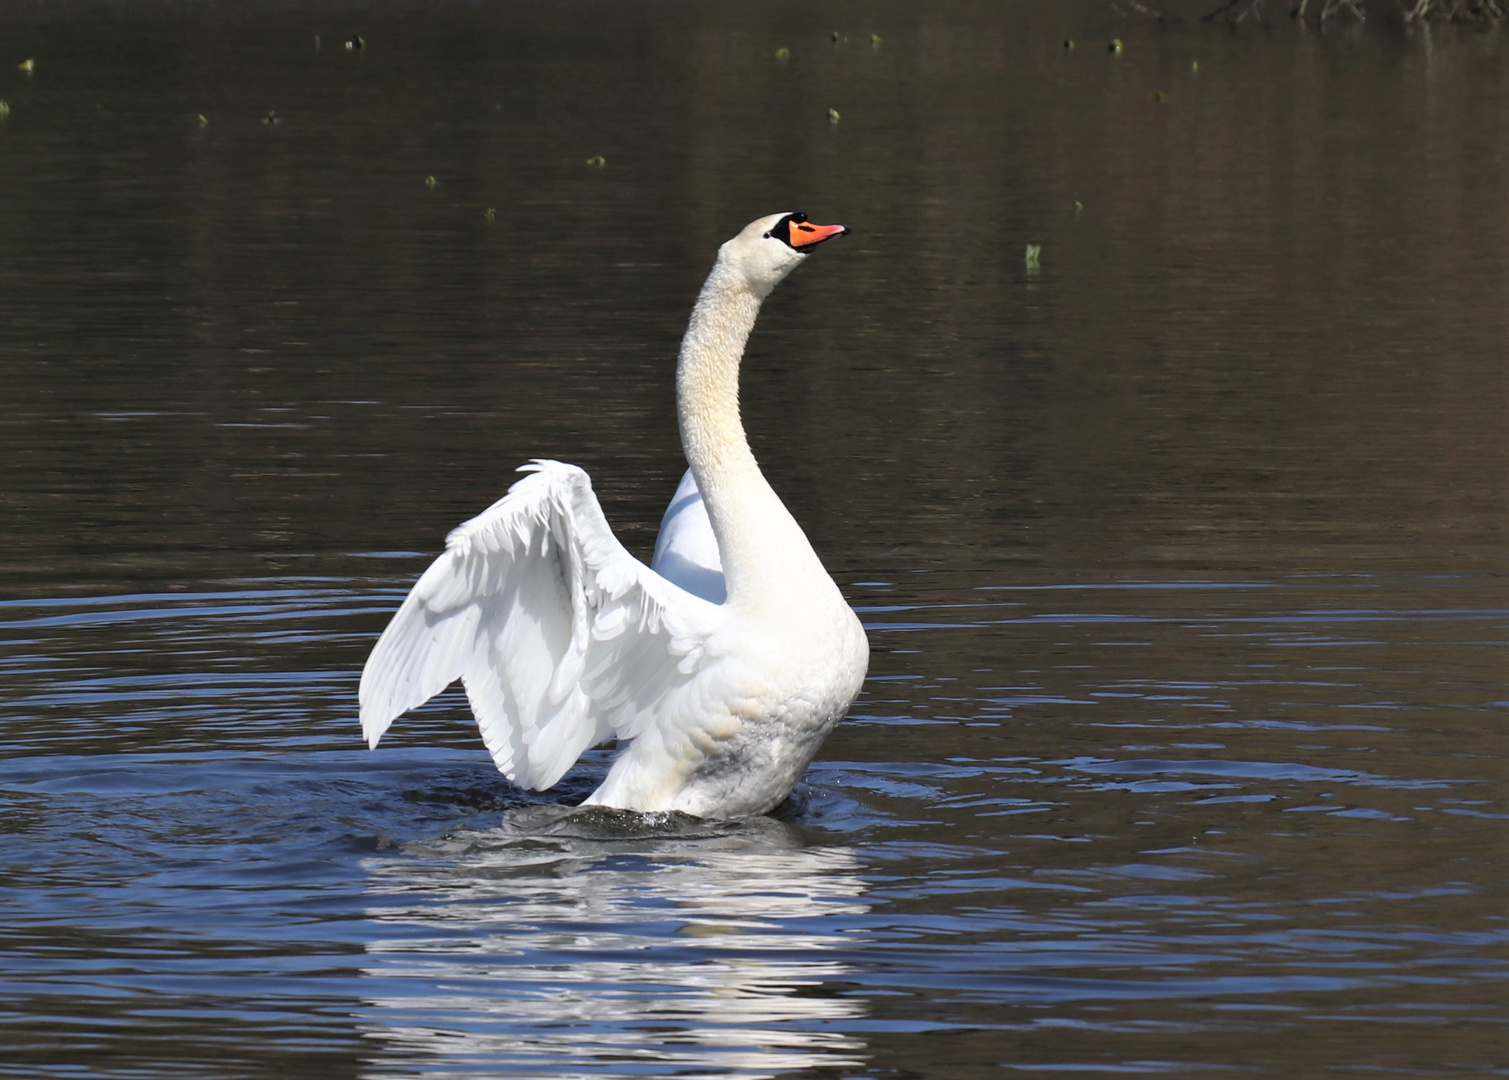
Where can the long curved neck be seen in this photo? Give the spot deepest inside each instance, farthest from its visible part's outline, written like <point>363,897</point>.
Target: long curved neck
<point>760,543</point>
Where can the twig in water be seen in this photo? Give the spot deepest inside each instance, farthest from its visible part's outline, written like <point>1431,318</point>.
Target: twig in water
<point>1333,6</point>
<point>1251,9</point>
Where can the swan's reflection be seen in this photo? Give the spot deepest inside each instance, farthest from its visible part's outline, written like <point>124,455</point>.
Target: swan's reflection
<point>591,943</point>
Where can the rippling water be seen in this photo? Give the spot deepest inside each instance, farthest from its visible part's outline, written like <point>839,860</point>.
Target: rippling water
<point>1182,555</point>
<point>1200,822</point>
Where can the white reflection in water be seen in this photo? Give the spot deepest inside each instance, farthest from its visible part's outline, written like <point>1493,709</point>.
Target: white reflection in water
<point>591,943</point>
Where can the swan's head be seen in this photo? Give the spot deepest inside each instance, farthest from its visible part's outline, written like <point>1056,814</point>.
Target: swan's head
<point>770,248</point>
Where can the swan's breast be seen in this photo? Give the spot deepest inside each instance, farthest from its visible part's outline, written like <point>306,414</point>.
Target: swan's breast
<point>734,740</point>
<point>752,756</point>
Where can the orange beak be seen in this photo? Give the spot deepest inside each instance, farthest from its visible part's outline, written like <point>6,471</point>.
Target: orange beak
<point>806,234</point>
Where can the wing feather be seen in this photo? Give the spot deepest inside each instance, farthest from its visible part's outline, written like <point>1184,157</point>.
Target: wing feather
<point>686,551</point>
<point>560,636</point>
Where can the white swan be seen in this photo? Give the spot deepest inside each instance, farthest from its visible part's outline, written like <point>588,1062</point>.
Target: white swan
<point>722,666</point>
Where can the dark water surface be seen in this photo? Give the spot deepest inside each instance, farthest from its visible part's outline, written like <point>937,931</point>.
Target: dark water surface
<point>1183,555</point>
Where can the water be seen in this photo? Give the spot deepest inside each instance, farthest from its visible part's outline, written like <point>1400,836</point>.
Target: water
<point>1182,556</point>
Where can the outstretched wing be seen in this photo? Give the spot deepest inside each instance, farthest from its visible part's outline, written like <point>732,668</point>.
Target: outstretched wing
<point>561,637</point>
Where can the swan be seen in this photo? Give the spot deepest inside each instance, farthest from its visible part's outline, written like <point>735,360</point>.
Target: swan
<point>719,668</point>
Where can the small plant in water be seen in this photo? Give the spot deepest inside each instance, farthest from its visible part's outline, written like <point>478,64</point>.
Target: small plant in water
<point>27,66</point>
<point>430,182</point>
<point>597,161</point>
<point>833,116</point>
<point>1033,251</point>
<point>1114,46</point>
<point>490,214</point>
<point>783,53</point>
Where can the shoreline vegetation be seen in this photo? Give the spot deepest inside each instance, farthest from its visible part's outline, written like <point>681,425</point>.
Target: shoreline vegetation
<point>1480,13</point>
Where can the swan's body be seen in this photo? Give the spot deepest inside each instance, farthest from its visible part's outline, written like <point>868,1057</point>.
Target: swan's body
<point>722,666</point>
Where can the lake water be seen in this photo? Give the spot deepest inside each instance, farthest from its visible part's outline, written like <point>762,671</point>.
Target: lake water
<point>1182,555</point>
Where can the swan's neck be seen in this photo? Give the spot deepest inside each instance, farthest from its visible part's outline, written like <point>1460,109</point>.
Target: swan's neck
<point>763,549</point>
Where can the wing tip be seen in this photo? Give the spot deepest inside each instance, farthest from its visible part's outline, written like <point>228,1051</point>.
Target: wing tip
<point>374,724</point>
